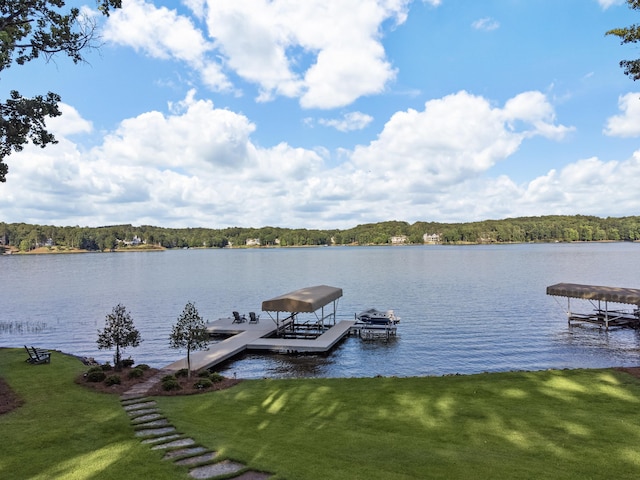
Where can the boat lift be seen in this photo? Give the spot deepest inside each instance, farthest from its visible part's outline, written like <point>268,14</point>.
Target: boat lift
<point>306,300</point>
<point>600,316</point>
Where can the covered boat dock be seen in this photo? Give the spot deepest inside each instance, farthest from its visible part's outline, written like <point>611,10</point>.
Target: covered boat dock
<point>287,334</point>
<point>600,297</point>
<point>284,310</point>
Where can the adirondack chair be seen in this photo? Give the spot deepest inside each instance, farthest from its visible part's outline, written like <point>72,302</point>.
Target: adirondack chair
<point>38,355</point>
<point>237,318</point>
<point>253,318</point>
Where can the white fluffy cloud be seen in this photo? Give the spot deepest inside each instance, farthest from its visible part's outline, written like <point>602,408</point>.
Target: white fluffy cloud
<point>197,165</point>
<point>69,122</point>
<point>326,53</point>
<point>627,124</point>
<point>164,34</point>
<point>486,24</point>
<point>609,3</point>
<point>349,121</point>
<point>455,138</point>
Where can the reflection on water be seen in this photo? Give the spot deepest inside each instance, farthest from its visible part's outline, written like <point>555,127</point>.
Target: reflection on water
<point>464,309</point>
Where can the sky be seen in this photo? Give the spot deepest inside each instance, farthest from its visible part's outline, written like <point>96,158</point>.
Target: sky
<point>334,113</point>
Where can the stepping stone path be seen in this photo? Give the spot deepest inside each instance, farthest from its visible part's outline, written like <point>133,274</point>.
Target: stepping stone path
<point>155,430</point>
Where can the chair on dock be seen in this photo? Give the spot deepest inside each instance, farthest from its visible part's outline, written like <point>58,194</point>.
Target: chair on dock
<point>237,318</point>
<point>38,355</point>
<point>253,318</point>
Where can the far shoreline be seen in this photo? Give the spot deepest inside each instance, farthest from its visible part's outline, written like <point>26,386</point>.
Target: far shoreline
<point>60,250</point>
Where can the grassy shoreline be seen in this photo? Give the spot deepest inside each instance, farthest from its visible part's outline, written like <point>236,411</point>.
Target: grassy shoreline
<point>561,424</point>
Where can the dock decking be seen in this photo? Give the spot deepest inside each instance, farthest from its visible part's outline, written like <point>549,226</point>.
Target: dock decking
<point>323,343</point>
<point>255,336</point>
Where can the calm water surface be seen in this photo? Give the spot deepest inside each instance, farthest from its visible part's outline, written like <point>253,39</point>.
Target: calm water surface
<point>464,309</point>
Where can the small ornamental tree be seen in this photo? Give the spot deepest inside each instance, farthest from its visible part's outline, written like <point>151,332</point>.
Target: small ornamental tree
<point>118,332</point>
<point>189,332</point>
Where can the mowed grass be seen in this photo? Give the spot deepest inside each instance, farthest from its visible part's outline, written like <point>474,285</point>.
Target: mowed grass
<point>578,424</point>
<point>66,431</point>
<point>574,424</point>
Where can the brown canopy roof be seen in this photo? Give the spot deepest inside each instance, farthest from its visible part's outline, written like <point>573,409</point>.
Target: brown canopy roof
<point>593,292</point>
<point>307,299</point>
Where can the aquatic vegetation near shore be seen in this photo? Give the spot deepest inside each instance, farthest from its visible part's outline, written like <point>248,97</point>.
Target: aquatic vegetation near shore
<point>19,327</point>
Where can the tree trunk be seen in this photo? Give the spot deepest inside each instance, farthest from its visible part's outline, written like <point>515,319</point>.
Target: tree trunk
<point>189,363</point>
<point>117,361</point>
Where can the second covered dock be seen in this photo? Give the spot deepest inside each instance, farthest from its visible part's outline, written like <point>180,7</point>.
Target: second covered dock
<point>600,297</point>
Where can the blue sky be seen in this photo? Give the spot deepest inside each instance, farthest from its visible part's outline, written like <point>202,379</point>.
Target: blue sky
<point>334,113</point>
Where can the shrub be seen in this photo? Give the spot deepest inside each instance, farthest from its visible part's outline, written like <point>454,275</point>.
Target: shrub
<point>95,369</point>
<point>112,380</point>
<point>96,376</point>
<point>143,366</point>
<point>215,377</point>
<point>203,383</point>
<point>106,366</point>
<point>170,384</point>
<point>183,372</point>
<point>204,373</point>
<point>167,377</point>
<point>126,362</point>
<point>136,373</point>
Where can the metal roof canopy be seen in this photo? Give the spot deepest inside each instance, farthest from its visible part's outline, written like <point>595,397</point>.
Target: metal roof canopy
<point>305,300</point>
<point>593,292</point>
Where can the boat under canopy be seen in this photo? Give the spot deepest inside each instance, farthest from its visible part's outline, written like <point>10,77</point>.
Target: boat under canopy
<point>305,300</point>
<point>601,316</point>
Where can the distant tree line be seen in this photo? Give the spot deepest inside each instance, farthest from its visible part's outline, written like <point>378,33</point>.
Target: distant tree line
<point>558,228</point>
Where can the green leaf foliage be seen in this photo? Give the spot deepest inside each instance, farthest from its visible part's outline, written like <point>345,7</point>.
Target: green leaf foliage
<point>630,34</point>
<point>31,29</point>
<point>550,228</point>
<point>189,332</point>
<point>119,332</point>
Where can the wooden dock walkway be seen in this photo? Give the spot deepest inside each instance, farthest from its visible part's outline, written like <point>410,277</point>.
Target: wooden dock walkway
<point>255,336</point>
<point>323,343</point>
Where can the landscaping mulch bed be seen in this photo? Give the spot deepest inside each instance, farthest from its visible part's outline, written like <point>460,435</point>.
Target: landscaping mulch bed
<point>9,400</point>
<point>635,371</point>
<point>127,383</point>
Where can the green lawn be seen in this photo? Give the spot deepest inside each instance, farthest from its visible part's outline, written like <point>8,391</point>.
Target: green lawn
<point>576,424</point>
<point>65,431</point>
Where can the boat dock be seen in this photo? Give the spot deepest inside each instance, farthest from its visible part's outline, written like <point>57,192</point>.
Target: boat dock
<point>596,295</point>
<point>323,343</point>
<point>270,334</point>
<point>242,334</point>
<point>257,336</point>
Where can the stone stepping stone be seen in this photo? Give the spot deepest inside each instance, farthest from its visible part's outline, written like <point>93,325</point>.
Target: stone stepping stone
<point>164,438</point>
<point>207,457</point>
<point>183,452</point>
<point>129,399</point>
<point>138,406</point>
<point>253,475</point>
<point>183,442</point>
<point>154,432</point>
<point>142,411</point>
<point>146,418</point>
<point>155,423</point>
<point>216,469</point>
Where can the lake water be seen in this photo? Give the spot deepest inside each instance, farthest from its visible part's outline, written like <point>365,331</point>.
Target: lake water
<point>464,309</point>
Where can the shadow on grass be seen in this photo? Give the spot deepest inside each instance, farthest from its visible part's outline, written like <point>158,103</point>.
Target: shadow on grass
<point>64,430</point>
<point>549,424</point>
